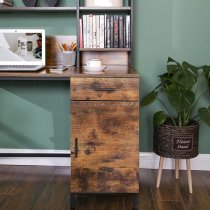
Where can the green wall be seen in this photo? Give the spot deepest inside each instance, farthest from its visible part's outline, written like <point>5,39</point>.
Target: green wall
<point>176,28</point>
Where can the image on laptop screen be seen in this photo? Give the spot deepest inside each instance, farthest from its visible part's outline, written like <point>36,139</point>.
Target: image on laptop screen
<point>22,47</point>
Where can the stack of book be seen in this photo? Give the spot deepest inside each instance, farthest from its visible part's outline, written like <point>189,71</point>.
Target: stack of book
<point>5,3</point>
<point>105,31</point>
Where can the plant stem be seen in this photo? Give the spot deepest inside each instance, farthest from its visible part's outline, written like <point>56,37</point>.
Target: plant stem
<point>194,117</point>
<point>172,119</point>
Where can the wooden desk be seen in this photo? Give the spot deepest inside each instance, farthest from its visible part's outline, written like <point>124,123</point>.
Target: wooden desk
<point>104,127</point>
<point>110,71</point>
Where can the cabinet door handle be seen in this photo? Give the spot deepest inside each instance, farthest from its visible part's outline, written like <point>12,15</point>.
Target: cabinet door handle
<point>105,89</point>
<point>76,148</point>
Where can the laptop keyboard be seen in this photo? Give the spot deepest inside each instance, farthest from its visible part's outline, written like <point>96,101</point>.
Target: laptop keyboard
<point>20,68</point>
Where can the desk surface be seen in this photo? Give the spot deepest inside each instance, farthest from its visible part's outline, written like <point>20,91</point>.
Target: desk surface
<point>45,74</point>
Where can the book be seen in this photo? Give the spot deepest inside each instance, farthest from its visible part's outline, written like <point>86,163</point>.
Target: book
<point>84,24</point>
<point>94,32</point>
<point>57,69</point>
<point>127,30</point>
<point>97,31</point>
<point>105,31</point>
<point>121,31</point>
<point>91,31</point>
<point>108,31</point>
<point>81,45</point>
<point>88,31</point>
<point>115,32</point>
<point>111,31</point>
<point>101,31</point>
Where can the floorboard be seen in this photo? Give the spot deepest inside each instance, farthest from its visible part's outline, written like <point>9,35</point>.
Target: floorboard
<point>47,188</point>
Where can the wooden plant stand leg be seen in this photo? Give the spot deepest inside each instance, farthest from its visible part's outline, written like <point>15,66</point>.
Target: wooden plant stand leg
<point>72,201</point>
<point>177,168</point>
<point>160,171</point>
<point>189,176</point>
<point>136,201</point>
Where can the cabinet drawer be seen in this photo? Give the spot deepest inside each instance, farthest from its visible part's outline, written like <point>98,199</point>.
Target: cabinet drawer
<point>105,89</point>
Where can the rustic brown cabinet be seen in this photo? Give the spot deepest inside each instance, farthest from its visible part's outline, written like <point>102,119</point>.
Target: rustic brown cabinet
<point>104,135</point>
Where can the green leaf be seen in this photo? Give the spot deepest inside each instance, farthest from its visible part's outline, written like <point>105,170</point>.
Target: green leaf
<point>159,118</point>
<point>206,71</point>
<point>171,60</point>
<point>190,74</point>
<point>148,99</point>
<point>165,78</point>
<point>209,84</point>
<point>180,99</point>
<point>204,114</point>
<point>171,68</point>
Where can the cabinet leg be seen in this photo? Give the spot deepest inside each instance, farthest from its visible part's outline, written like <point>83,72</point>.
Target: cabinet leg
<point>72,201</point>
<point>136,202</point>
<point>177,168</point>
<point>189,175</point>
<point>160,171</point>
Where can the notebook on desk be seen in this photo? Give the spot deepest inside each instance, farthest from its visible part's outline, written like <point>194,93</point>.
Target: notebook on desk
<point>22,49</point>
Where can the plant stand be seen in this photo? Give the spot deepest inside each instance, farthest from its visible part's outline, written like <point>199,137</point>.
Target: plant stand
<point>178,143</point>
<point>176,172</point>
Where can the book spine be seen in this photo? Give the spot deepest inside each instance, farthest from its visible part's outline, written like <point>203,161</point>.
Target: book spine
<point>97,31</point>
<point>88,31</point>
<point>121,31</point>
<point>116,32</point>
<point>127,41</point>
<point>101,31</point>
<point>105,31</point>
<point>94,32</point>
<point>111,31</point>
<point>108,31</point>
<point>91,30</point>
<point>84,20</point>
<point>81,43</point>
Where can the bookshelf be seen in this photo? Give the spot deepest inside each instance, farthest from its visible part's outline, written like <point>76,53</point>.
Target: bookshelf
<point>124,55</point>
<point>107,55</point>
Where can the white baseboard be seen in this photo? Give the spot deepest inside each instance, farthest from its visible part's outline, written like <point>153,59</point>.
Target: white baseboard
<point>151,161</point>
<point>147,160</point>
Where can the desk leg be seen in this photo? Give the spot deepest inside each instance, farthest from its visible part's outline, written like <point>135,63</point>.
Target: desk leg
<point>136,201</point>
<point>72,201</point>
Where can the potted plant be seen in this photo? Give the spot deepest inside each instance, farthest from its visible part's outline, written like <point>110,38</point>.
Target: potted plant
<point>180,85</point>
<point>176,127</point>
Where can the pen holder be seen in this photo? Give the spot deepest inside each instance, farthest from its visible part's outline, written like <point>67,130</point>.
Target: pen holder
<point>69,58</point>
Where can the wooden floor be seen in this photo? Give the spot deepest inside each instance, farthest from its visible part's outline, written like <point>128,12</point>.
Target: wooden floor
<point>47,188</point>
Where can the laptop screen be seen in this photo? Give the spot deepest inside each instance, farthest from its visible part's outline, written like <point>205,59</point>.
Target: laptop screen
<point>22,47</point>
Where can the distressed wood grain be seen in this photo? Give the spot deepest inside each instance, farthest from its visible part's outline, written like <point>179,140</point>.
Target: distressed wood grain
<point>105,89</point>
<point>108,139</point>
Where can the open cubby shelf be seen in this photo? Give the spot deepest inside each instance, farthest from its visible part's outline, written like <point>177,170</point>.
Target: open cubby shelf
<point>37,9</point>
<point>111,54</point>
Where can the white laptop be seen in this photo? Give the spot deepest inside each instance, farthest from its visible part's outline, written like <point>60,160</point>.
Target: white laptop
<point>22,49</point>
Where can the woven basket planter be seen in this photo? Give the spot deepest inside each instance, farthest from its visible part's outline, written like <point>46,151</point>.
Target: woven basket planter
<point>176,142</point>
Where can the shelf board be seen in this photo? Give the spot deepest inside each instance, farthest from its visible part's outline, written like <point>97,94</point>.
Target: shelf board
<point>37,9</point>
<point>104,49</point>
<point>105,9</point>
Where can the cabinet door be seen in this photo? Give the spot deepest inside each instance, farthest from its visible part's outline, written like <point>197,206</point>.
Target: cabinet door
<point>104,146</point>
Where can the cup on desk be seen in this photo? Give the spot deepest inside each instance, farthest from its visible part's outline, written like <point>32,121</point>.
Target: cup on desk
<point>69,58</point>
<point>94,62</point>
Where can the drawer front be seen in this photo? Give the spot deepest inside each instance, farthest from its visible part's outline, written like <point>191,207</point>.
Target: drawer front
<point>126,89</point>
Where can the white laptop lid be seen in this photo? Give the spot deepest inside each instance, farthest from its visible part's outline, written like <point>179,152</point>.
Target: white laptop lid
<point>20,47</point>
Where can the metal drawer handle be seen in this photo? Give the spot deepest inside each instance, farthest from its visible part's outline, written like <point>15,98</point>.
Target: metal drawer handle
<point>76,148</point>
<point>105,89</point>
